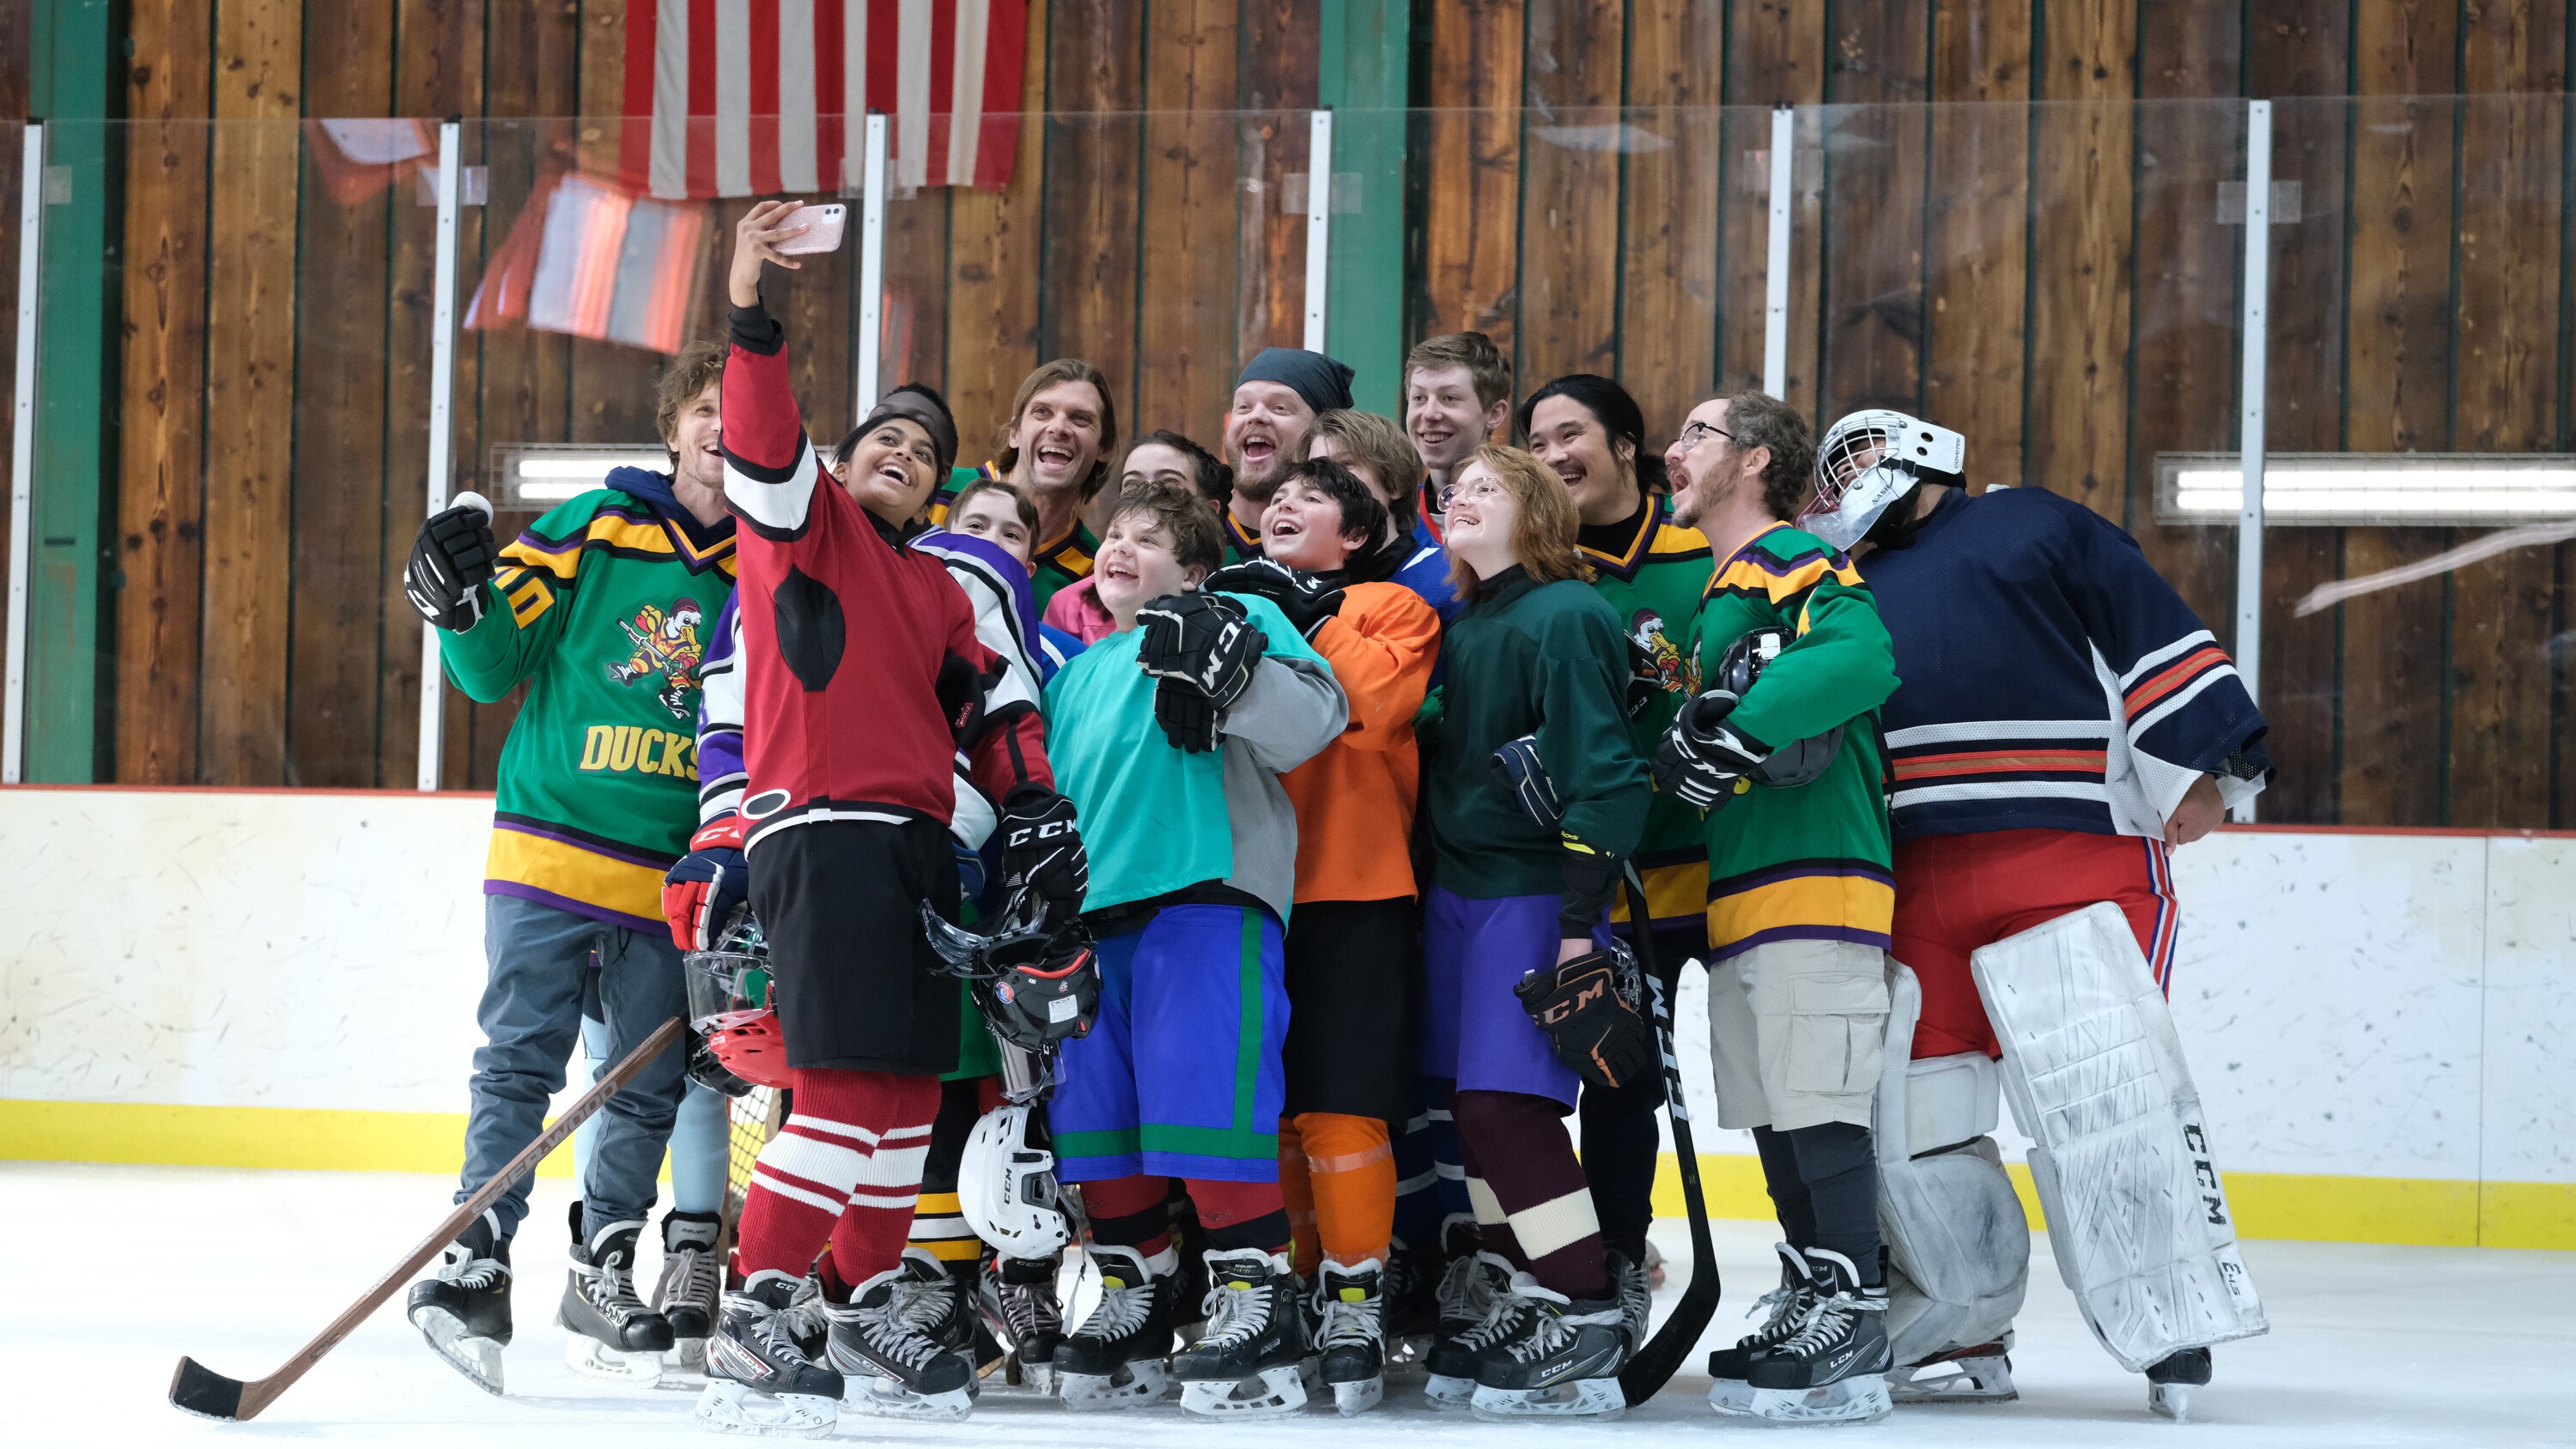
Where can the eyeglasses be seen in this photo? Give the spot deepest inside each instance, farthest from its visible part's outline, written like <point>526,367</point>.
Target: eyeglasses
<point>1482,488</point>
<point>1698,433</point>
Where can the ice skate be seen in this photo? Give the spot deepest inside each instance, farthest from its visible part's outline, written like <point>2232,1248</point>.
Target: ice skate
<point>1833,1369</point>
<point>1351,1334</point>
<point>758,1380</point>
<point>1018,1301</point>
<point>464,1311</point>
<point>1251,1360</point>
<point>2171,1379</point>
<point>690,1291</point>
<point>1633,1285</point>
<point>1481,1285</point>
<point>1979,1375</point>
<point>885,1344</point>
<point>1562,1361</point>
<point>1116,1358</point>
<point>1728,1393</point>
<point>1412,1301</point>
<point>613,1335</point>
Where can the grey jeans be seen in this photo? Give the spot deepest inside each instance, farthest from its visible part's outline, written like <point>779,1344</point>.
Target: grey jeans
<point>531,1019</point>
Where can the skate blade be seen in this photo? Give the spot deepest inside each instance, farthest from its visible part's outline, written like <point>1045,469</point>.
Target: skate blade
<point>689,1355</point>
<point>478,1359</point>
<point>1134,1386</point>
<point>1408,1360</point>
<point>1280,1390</point>
<point>1860,1399</point>
<point>591,1358</point>
<point>1358,1398</point>
<point>1442,1391</point>
<point>1954,1381</point>
<point>882,1398</point>
<point>733,1408</point>
<point>1583,1398</point>
<point>2170,1401</point>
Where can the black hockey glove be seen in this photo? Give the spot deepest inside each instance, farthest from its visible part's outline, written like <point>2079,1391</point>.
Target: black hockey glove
<point>1042,849</point>
<point>1588,1008</point>
<point>1305,599</point>
<point>1203,640</point>
<point>1188,720</point>
<point>1517,763</point>
<point>450,558</point>
<point>1645,681</point>
<point>1702,757</point>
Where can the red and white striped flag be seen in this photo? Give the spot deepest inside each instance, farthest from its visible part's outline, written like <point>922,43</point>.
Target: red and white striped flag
<point>761,97</point>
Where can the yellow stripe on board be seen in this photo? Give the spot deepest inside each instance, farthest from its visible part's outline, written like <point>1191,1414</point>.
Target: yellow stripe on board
<point>306,1139</point>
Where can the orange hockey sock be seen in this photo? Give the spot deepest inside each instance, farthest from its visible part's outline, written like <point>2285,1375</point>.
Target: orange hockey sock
<point>1350,1166</point>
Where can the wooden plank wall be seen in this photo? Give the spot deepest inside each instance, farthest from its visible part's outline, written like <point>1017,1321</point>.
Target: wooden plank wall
<point>2056,282</point>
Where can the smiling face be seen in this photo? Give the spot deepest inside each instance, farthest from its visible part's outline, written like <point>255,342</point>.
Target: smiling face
<point>994,516</point>
<point>1157,463</point>
<point>694,435</point>
<point>1058,437</point>
<point>1443,418</point>
<point>1268,419</point>
<point>1135,563</point>
<point>1568,438</point>
<point>1482,512</point>
<point>891,470</point>
<point>1302,528</point>
<point>1707,473</point>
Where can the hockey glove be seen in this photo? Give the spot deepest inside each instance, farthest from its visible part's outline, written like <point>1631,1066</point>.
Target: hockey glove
<point>708,885</point>
<point>1645,681</point>
<point>1188,720</point>
<point>1042,849</point>
<point>1517,763</point>
<point>1588,1008</point>
<point>450,559</point>
<point>1703,759</point>
<point>1307,600</point>
<point>1203,640</point>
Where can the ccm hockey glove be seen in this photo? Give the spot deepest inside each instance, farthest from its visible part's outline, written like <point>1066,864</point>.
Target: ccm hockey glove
<point>450,559</point>
<point>1042,849</point>
<point>710,883</point>
<point>1588,1008</point>
<point>1703,758</point>
<point>1202,640</point>
<point>1305,599</point>
<point>1188,720</point>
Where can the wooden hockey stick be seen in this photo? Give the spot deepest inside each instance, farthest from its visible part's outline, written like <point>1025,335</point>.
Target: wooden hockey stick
<point>200,1390</point>
<point>1661,1357</point>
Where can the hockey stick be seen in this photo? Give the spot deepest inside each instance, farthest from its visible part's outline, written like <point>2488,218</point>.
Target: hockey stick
<point>200,1390</point>
<point>1660,1357</point>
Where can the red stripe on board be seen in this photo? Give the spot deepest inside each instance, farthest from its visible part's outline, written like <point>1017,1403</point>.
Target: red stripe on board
<point>635,133</point>
<point>885,36</point>
<point>943,92</point>
<point>827,95</point>
<point>764,98</point>
<point>997,144</point>
<point>702,97</point>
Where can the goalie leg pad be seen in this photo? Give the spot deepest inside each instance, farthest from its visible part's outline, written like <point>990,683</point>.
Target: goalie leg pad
<point>1958,1246</point>
<point>2095,1073</point>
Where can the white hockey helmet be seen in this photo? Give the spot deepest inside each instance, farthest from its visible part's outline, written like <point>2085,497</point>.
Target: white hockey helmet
<point>1870,461</point>
<point>1007,1190</point>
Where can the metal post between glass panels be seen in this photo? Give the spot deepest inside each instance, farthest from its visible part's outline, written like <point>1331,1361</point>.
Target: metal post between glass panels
<point>442,404</point>
<point>1775,284</point>
<point>2250,384</point>
<point>872,209</point>
<point>1319,223</point>
<point>22,455</point>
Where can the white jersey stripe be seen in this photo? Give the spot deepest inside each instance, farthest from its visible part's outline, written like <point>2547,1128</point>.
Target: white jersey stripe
<point>2175,650</point>
<point>1999,790</point>
<point>1971,731</point>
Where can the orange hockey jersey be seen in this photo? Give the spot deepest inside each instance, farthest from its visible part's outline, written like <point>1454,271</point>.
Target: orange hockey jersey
<point>1355,801</point>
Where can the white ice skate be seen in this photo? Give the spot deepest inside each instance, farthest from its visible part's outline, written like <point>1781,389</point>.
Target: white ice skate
<point>1980,1375</point>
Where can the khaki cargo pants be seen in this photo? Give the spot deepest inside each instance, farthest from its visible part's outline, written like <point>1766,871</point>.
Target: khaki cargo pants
<point>1795,1030</point>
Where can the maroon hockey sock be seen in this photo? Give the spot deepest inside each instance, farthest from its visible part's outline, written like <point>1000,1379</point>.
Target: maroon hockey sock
<point>1527,1161</point>
<point>1130,1212</point>
<point>845,1168</point>
<point>1241,1214</point>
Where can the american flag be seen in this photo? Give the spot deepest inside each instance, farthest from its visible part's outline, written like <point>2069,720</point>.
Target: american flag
<point>761,97</point>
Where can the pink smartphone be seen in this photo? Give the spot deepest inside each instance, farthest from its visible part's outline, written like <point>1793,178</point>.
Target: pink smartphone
<point>822,225</point>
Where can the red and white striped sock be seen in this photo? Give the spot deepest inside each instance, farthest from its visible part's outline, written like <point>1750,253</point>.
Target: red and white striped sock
<point>824,1161</point>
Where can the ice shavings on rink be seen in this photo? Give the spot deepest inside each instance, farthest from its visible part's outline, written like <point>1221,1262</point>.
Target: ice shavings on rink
<point>123,1269</point>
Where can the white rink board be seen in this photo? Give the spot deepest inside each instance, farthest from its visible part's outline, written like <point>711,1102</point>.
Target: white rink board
<point>2370,1345</point>
<point>2371,1005</point>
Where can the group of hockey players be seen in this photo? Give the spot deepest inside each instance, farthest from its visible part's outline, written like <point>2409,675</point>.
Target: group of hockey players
<point>1299,814</point>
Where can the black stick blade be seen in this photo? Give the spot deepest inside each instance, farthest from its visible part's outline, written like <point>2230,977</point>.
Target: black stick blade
<point>200,1390</point>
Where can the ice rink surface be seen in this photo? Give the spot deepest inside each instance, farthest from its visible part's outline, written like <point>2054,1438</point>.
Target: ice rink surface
<point>123,1269</point>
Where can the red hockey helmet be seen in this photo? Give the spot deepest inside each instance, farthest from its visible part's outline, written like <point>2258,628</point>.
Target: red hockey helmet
<point>733,1008</point>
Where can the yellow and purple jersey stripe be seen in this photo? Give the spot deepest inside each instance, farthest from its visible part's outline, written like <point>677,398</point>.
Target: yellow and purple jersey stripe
<point>1802,900</point>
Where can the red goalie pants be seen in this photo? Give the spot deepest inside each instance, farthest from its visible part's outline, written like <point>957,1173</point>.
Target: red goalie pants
<point>1955,893</point>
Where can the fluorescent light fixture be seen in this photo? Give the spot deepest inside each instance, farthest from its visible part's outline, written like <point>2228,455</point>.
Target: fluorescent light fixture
<point>2342,489</point>
<point>538,476</point>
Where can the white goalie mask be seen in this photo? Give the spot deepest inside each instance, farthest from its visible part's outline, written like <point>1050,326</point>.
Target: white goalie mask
<point>1869,462</point>
<point>1006,1189</point>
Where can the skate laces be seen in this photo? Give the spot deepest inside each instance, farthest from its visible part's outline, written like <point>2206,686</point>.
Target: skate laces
<point>1121,1310</point>
<point>1828,1319</point>
<point>1471,1287</point>
<point>610,1286</point>
<point>1788,1309</point>
<point>897,1327</point>
<point>690,1275</point>
<point>1024,1308</point>
<point>1500,1320</point>
<point>471,1273</point>
<point>1236,1314</point>
<point>1344,1323</point>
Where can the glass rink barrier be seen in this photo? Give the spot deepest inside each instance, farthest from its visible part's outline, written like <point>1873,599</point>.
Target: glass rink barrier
<point>248,357</point>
